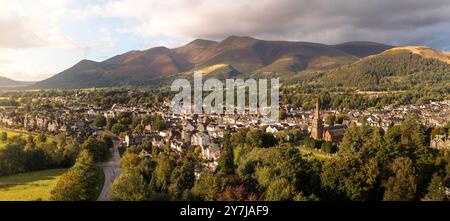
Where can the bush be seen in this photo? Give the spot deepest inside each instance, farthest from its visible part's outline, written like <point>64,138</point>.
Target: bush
<point>4,136</point>
<point>328,147</point>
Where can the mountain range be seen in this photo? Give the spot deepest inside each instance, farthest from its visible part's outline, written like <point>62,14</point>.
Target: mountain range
<point>230,57</point>
<point>347,64</point>
<point>8,83</point>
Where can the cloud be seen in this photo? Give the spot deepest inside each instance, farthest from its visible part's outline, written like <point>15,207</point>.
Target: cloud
<point>328,21</point>
<point>106,40</point>
<point>34,24</point>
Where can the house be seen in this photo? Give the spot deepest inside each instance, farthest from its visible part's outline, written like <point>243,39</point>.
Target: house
<point>211,152</point>
<point>440,142</point>
<point>271,129</point>
<point>200,139</point>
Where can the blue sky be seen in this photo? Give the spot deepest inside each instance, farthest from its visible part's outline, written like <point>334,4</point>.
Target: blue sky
<point>43,37</point>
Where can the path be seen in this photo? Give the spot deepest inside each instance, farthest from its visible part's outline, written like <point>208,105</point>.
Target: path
<point>111,167</point>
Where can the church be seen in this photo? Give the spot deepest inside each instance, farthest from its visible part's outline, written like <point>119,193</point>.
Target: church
<point>330,133</point>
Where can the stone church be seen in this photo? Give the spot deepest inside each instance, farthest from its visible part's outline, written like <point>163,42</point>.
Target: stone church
<point>330,133</point>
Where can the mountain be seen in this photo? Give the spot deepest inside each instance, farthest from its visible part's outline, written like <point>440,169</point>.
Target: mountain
<point>234,56</point>
<point>8,83</point>
<point>362,49</point>
<point>396,68</point>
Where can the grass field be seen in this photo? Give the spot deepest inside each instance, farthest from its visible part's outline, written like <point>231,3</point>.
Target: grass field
<point>29,186</point>
<point>12,133</point>
<point>316,153</point>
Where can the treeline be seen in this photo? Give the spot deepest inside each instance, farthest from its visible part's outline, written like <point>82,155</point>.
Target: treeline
<point>82,182</point>
<point>368,165</point>
<point>23,155</point>
<point>351,100</point>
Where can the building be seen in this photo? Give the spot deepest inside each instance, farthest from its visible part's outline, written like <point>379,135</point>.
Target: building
<point>331,133</point>
<point>440,142</point>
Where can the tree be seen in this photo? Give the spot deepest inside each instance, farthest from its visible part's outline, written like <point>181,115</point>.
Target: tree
<point>162,174</point>
<point>12,159</point>
<point>110,123</point>
<point>108,140</point>
<point>208,187</point>
<point>340,118</point>
<point>328,147</point>
<point>401,186</point>
<point>330,120</point>
<point>183,178</point>
<point>117,128</point>
<point>159,124</point>
<point>30,143</point>
<point>42,138</point>
<point>259,138</point>
<point>36,159</point>
<point>97,147</point>
<point>4,136</point>
<point>236,193</point>
<point>436,189</point>
<point>129,186</point>
<point>348,177</point>
<point>280,190</point>
<point>79,183</point>
<point>226,160</point>
<point>100,121</point>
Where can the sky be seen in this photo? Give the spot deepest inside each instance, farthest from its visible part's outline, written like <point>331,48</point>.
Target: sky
<point>40,38</point>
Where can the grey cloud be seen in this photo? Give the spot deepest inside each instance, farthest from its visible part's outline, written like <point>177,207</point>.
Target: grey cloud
<point>332,21</point>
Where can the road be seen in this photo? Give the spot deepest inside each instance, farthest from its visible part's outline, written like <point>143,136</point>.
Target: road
<point>111,167</point>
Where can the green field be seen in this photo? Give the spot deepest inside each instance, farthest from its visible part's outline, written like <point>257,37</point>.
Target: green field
<point>12,133</point>
<point>29,186</point>
<point>315,153</point>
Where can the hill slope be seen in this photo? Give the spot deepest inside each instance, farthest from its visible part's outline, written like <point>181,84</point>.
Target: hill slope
<point>233,56</point>
<point>397,68</point>
<point>6,82</point>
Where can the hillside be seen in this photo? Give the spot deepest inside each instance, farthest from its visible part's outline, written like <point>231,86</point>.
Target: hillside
<point>234,56</point>
<point>8,83</point>
<point>362,48</point>
<point>397,68</point>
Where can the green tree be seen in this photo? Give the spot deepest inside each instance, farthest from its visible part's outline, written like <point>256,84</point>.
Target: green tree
<point>100,121</point>
<point>280,189</point>
<point>183,178</point>
<point>118,128</point>
<point>436,189</point>
<point>12,159</point>
<point>226,160</point>
<point>401,186</point>
<point>330,120</point>
<point>97,147</point>
<point>110,122</point>
<point>348,177</point>
<point>4,136</point>
<point>159,124</point>
<point>79,183</point>
<point>42,138</point>
<point>161,176</point>
<point>208,187</point>
<point>129,186</point>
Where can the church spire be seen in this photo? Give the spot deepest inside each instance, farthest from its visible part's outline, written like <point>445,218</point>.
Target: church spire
<point>317,126</point>
<point>317,113</point>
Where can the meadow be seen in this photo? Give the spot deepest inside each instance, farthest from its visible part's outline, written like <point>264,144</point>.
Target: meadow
<point>12,133</point>
<point>29,186</point>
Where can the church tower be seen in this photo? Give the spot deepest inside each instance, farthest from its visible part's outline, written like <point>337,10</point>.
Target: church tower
<point>317,124</point>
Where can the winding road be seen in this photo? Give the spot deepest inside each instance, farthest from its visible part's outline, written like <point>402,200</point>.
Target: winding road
<point>111,168</point>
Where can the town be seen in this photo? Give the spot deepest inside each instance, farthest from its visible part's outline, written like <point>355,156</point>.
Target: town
<point>76,117</point>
